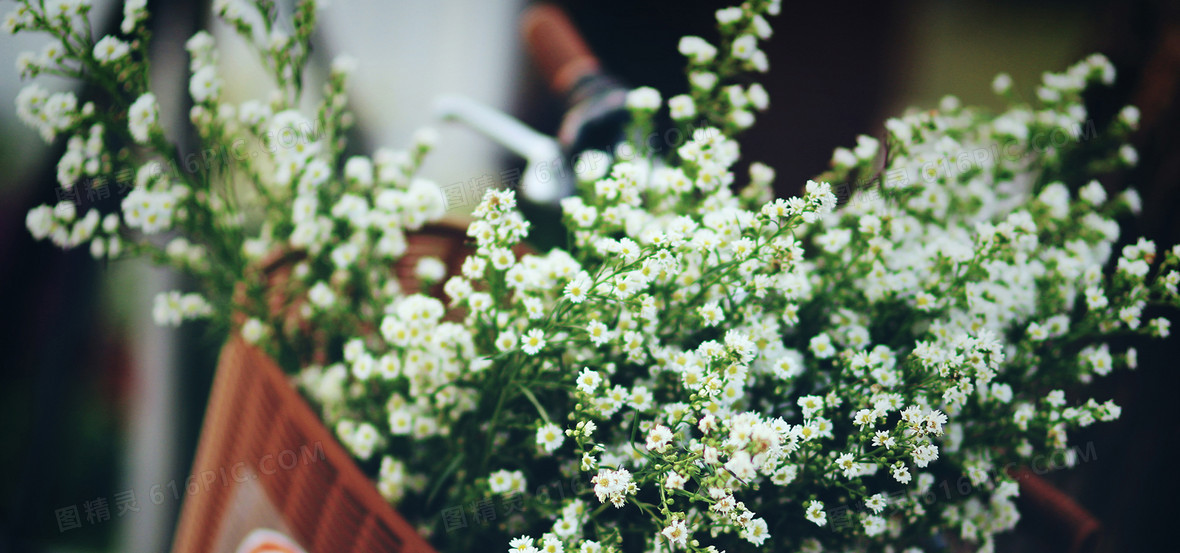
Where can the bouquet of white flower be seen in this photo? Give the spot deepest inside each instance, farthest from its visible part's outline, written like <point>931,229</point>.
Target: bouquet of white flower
<point>703,367</point>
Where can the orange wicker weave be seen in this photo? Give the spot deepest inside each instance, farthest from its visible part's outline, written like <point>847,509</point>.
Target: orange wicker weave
<point>259,433</point>
<point>266,461</point>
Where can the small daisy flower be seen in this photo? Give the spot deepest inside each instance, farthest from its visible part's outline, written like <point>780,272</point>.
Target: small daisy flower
<point>253,330</point>
<point>816,514</point>
<point>142,116</point>
<point>502,259</point>
<point>599,334</point>
<point>578,289</point>
<point>204,85</point>
<point>533,341</point>
<point>711,313</point>
<point>676,533</point>
<point>644,98</point>
<point>876,503</point>
<point>744,47</point>
<point>550,437</point>
<point>588,380</point>
<point>506,340</point>
<point>674,481</point>
<point>659,438</point>
<point>682,107</point>
<point>110,49</point>
<point>503,481</point>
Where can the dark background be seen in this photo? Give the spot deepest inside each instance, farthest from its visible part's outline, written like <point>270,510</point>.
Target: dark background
<point>838,69</point>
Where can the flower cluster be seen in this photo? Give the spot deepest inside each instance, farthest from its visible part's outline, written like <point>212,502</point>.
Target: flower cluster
<point>721,369</point>
<point>280,186</point>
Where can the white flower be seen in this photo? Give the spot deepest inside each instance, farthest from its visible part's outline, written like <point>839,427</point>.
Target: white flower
<point>362,440</point>
<point>359,169</point>
<point>97,248</point>
<point>674,480</point>
<point>204,85</point>
<point>503,481</point>
<point>901,473</point>
<point>171,308</point>
<point>40,221</point>
<point>565,527</point>
<point>756,531</point>
<point>614,486</point>
<point>874,525</point>
<point>1130,116</point>
<point>1093,193</point>
<point>876,503</point>
<point>200,47</point>
<point>1002,83</point>
<point>134,11</point>
<point>551,544</point>
<point>681,107</point>
<point>843,157</point>
<point>821,346</point>
<point>599,334</point>
<point>424,138</point>
<point>110,49</point>
<point>14,20</point>
<point>506,340</point>
<point>533,341</point>
<point>1128,154</point>
<point>725,16</point>
<point>550,437</point>
<point>711,314</point>
<point>430,269</point>
<point>644,98</point>
<point>1134,201</point>
<point>847,465</point>
<point>344,255</point>
<point>835,240</point>
<point>521,544</point>
<point>321,295</point>
<point>314,176</point>
<point>253,330</point>
<point>703,80</point>
<point>758,97</point>
<point>1130,315</point>
<point>760,62</point>
<point>342,66</point>
<point>502,258</point>
<point>924,454</point>
<point>697,49</point>
<point>1160,327</point>
<point>816,514</point>
<point>658,438</point>
<point>744,47</point>
<point>1001,392</point>
<point>142,117</point>
<point>676,533</point>
<point>741,118</point>
<point>578,288</point>
<point>588,380</point>
<point>193,306</point>
<point>401,422</point>
<point>26,64</point>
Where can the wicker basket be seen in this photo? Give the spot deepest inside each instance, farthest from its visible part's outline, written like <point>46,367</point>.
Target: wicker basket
<point>266,461</point>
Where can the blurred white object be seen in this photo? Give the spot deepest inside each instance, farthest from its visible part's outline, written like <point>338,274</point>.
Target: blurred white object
<point>409,53</point>
<point>538,184</point>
